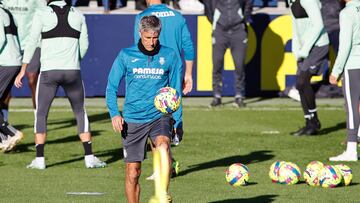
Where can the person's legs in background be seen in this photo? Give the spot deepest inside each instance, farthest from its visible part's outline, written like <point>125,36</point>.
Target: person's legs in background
<point>9,136</point>
<point>4,104</point>
<point>307,95</point>
<point>238,46</point>
<point>140,5</point>
<point>220,44</point>
<point>351,87</point>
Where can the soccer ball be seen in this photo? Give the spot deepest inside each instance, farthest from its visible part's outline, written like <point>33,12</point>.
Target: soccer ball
<point>330,176</point>
<point>311,173</point>
<point>346,173</point>
<point>167,100</point>
<point>315,165</point>
<point>237,174</point>
<point>274,171</point>
<point>289,173</point>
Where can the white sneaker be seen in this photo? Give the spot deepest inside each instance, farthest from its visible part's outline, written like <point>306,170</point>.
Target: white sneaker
<point>37,163</point>
<point>191,6</point>
<point>345,156</point>
<point>92,161</point>
<point>5,143</point>
<point>294,94</point>
<point>16,138</point>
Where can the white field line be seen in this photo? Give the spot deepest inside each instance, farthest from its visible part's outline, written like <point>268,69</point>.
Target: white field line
<point>57,110</point>
<point>89,109</point>
<point>86,193</point>
<point>270,132</point>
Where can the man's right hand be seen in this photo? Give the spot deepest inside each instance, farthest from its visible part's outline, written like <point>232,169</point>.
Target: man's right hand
<point>117,123</point>
<point>19,77</point>
<point>333,80</point>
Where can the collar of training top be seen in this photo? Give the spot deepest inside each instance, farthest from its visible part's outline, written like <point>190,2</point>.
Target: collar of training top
<point>149,53</point>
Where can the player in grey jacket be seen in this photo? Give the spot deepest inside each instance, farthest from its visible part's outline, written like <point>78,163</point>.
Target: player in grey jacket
<point>229,18</point>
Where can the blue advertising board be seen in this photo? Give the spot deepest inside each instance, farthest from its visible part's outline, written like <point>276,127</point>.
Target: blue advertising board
<point>270,65</point>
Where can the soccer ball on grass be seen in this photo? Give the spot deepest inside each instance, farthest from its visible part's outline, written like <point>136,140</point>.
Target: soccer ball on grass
<point>237,174</point>
<point>330,176</point>
<point>311,173</point>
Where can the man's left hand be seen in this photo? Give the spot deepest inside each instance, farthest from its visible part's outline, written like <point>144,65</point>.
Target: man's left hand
<point>187,84</point>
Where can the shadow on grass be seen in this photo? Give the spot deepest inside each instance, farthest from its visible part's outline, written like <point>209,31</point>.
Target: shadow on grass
<point>21,127</point>
<point>115,155</point>
<point>260,99</point>
<point>73,138</point>
<point>301,182</point>
<point>253,157</point>
<point>72,122</point>
<point>262,198</point>
<point>247,101</point>
<point>331,129</point>
<point>351,184</point>
<point>250,184</point>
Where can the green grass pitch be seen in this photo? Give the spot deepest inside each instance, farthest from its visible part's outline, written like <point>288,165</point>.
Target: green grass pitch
<point>214,139</point>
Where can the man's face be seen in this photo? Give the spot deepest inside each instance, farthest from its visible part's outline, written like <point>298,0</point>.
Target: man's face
<point>149,39</point>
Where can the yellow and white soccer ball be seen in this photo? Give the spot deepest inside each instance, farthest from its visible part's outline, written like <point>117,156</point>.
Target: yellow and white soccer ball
<point>289,173</point>
<point>330,176</point>
<point>312,172</point>
<point>167,100</point>
<point>237,175</point>
<point>274,171</point>
<point>346,173</point>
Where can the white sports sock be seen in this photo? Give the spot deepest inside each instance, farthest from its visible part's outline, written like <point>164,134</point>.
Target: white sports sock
<point>89,157</point>
<point>40,159</point>
<point>351,147</point>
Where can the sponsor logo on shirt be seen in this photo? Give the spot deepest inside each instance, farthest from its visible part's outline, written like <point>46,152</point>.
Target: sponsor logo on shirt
<point>148,73</point>
<point>163,14</point>
<point>17,9</point>
<point>134,60</point>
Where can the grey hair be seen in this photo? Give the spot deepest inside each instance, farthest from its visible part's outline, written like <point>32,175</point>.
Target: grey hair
<point>150,23</point>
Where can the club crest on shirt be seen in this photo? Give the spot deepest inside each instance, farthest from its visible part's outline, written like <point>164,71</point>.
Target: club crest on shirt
<point>162,60</point>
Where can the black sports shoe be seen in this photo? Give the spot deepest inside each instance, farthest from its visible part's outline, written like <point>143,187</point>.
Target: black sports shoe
<point>316,123</point>
<point>239,102</point>
<point>216,102</point>
<point>307,130</point>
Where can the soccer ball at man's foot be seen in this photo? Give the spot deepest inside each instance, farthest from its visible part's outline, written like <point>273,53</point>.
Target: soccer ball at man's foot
<point>167,100</point>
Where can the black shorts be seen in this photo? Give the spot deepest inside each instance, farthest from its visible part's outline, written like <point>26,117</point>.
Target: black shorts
<point>315,62</point>
<point>34,65</point>
<point>7,78</point>
<point>135,136</point>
